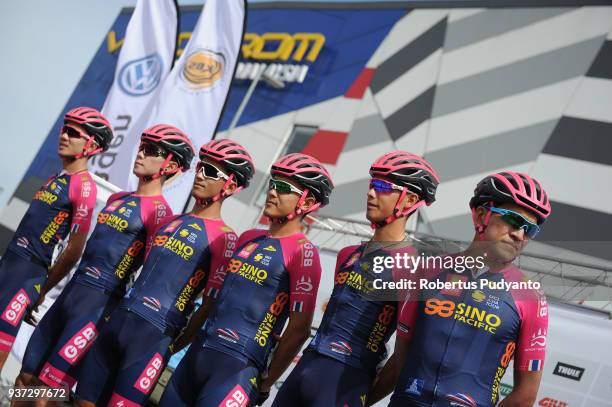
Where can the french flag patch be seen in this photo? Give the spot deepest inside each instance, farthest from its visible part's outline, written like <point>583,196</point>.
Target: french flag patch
<point>298,306</point>
<point>534,365</point>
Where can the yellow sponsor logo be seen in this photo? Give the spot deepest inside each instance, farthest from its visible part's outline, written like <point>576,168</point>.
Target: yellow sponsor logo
<point>270,319</point>
<point>184,233</point>
<point>468,314</point>
<point>354,280</point>
<point>381,327</point>
<point>196,226</point>
<point>113,221</point>
<point>131,203</point>
<point>203,68</point>
<point>247,271</point>
<point>175,246</point>
<point>46,197</point>
<point>127,261</point>
<point>189,290</point>
<point>53,227</point>
<point>478,296</point>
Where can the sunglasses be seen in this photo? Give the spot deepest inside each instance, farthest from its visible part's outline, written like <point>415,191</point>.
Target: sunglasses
<point>72,132</point>
<point>517,221</point>
<point>283,187</point>
<point>150,150</point>
<point>210,171</point>
<point>382,186</point>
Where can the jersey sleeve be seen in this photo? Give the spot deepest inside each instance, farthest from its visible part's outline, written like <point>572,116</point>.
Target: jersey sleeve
<point>407,317</point>
<point>304,277</point>
<point>221,251</point>
<point>531,345</point>
<point>115,196</point>
<point>155,211</point>
<point>82,194</point>
<point>344,257</point>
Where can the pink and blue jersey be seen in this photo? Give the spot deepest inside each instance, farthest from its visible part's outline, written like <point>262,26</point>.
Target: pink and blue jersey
<point>358,322</point>
<point>462,340</point>
<point>266,279</point>
<point>188,254</point>
<point>118,243</point>
<point>64,204</point>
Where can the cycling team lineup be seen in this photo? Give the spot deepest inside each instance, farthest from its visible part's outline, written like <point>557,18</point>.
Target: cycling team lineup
<point>109,341</point>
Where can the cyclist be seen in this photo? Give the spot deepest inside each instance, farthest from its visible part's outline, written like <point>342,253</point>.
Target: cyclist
<point>339,365</point>
<point>62,206</point>
<point>273,276</point>
<point>188,254</point>
<point>454,345</point>
<point>113,253</point>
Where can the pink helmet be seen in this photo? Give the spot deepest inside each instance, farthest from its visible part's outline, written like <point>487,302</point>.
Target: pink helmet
<point>513,187</point>
<point>408,170</point>
<point>95,124</point>
<point>307,171</point>
<point>172,140</point>
<point>234,156</point>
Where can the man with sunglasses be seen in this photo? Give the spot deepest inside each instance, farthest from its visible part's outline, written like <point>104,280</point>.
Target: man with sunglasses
<point>339,365</point>
<point>273,276</point>
<point>454,345</point>
<point>188,255</point>
<point>62,206</point>
<point>113,253</point>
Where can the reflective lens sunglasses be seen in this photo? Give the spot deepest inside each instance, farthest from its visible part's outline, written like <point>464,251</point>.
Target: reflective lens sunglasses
<point>151,150</point>
<point>517,221</point>
<point>382,186</point>
<point>73,132</point>
<point>210,171</point>
<point>283,187</point>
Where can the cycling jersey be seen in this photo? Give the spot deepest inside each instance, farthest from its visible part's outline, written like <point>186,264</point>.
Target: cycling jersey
<point>267,277</point>
<point>63,204</point>
<point>116,247</point>
<point>114,250</point>
<point>187,254</point>
<point>463,338</point>
<point>358,321</point>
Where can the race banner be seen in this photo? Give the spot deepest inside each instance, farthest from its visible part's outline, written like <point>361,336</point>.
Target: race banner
<point>193,95</point>
<point>145,59</point>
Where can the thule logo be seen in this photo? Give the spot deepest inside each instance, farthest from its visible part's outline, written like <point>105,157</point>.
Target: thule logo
<point>568,371</point>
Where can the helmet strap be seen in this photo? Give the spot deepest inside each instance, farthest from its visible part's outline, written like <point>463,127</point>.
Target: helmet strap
<point>221,194</point>
<point>162,170</point>
<point>298,209</point>
<point>86,147</point>
<point>397,211</point>
<point>480,229</point>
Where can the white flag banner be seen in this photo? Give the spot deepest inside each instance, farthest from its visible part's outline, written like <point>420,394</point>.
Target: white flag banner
<point>194,93</point>
<point>144,62</point>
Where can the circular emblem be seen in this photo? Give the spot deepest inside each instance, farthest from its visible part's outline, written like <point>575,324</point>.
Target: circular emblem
<point>478,296</point>
<point>141,76</point>
<point>203,68</point>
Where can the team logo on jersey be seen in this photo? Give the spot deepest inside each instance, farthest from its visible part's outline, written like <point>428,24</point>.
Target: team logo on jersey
<point>478,296</point>
<point>195,226</point>
<point>415,386</point>
<point>539,339</point>
<point>228,335</point>
<point>122,210</point>
<point>341,347</point>
<point>465,313</point>
<point>141,76</point>
<point>23,242</point>
<point>184,233</point>
<point>352,260</point>
<point>270,248</point>
<point>226,229</point>
<point>131,203</point>
<point>62,180</point>
<point>114,205</point>
<point>363,399</point>
<point>37,288</point>
<point>172,226</point>
<point>461,400</point>
<point>247,250</point>
<point>253,381</point>
<point>152,303</point>
<point>258,257</point>
<point>304,284</point>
